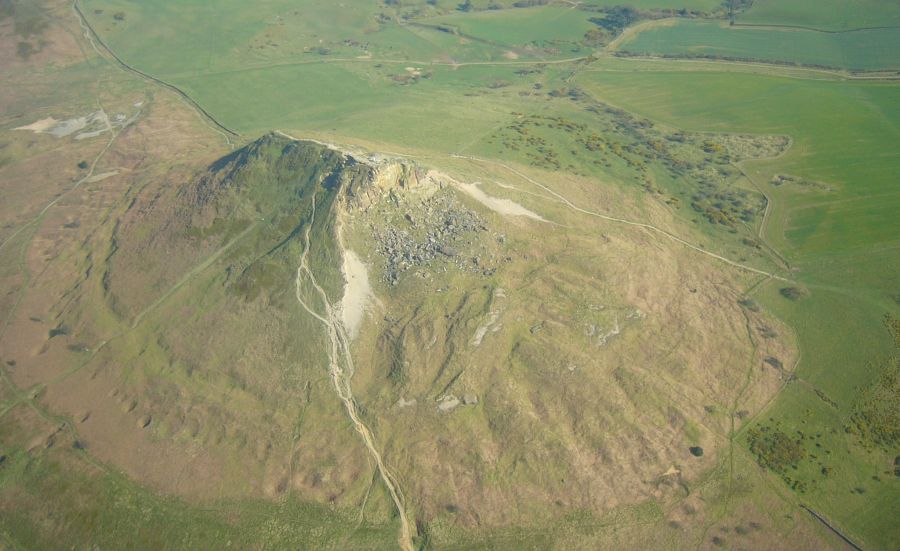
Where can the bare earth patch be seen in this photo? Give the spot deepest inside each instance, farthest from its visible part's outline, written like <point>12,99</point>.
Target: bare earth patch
<point>501,206</point>
<point>357,292</point>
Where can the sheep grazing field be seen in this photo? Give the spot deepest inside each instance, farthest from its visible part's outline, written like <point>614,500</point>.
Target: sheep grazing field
<point>443,274</point>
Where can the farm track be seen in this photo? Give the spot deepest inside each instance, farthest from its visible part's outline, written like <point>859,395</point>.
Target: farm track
<point>775,26</point>
<point>770,69</point>
<point>341,370</point>
<point>376,60</point>
<point>773,69</point>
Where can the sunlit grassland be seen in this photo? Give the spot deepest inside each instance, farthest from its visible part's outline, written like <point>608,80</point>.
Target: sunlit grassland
<point>520,27</point>
<point>844,135</point>
<point>873,49</point>
<point>841,237</point>
<point>332,72</point>
<point>823,14</point>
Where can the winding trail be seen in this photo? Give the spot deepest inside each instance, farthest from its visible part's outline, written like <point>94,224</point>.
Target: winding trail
<point>650,227</point>
<point>340,366</point>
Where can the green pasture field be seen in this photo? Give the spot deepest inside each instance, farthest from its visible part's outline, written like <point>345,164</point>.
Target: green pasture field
<point>857,162</point>
<point>197,38</point>
<point>358,99</point>
<point>697,5</point>
<point>832,15</point>
<point>842,238</point>
<point>862,50</point>
<point>522,26</point>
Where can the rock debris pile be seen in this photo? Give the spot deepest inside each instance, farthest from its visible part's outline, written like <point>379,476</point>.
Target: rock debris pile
<point>439,228</point>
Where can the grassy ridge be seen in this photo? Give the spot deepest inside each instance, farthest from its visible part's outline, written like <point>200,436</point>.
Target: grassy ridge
<point>843,239</point>
<point>869,50</point>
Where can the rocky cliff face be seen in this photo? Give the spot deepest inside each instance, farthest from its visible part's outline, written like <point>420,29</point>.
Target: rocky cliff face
<point>300,165</point>
<point>296,167</point>
<point>381,179</point>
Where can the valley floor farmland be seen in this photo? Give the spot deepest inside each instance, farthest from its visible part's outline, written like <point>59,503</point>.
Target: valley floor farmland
<point>675,206</point>
<point>857,50</point>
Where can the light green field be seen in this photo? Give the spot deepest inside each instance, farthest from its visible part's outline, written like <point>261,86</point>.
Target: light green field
<point>359,100</point>
<point>835,15</point>
<point>873,49</point>
<point>231,36</point>
<point>859,161</point>
<point>843,240</point>
<point>699,5</point>
<point>522,26</point>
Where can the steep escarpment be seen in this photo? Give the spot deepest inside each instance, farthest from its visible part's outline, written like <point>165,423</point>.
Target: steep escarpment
<point>267,187</point>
